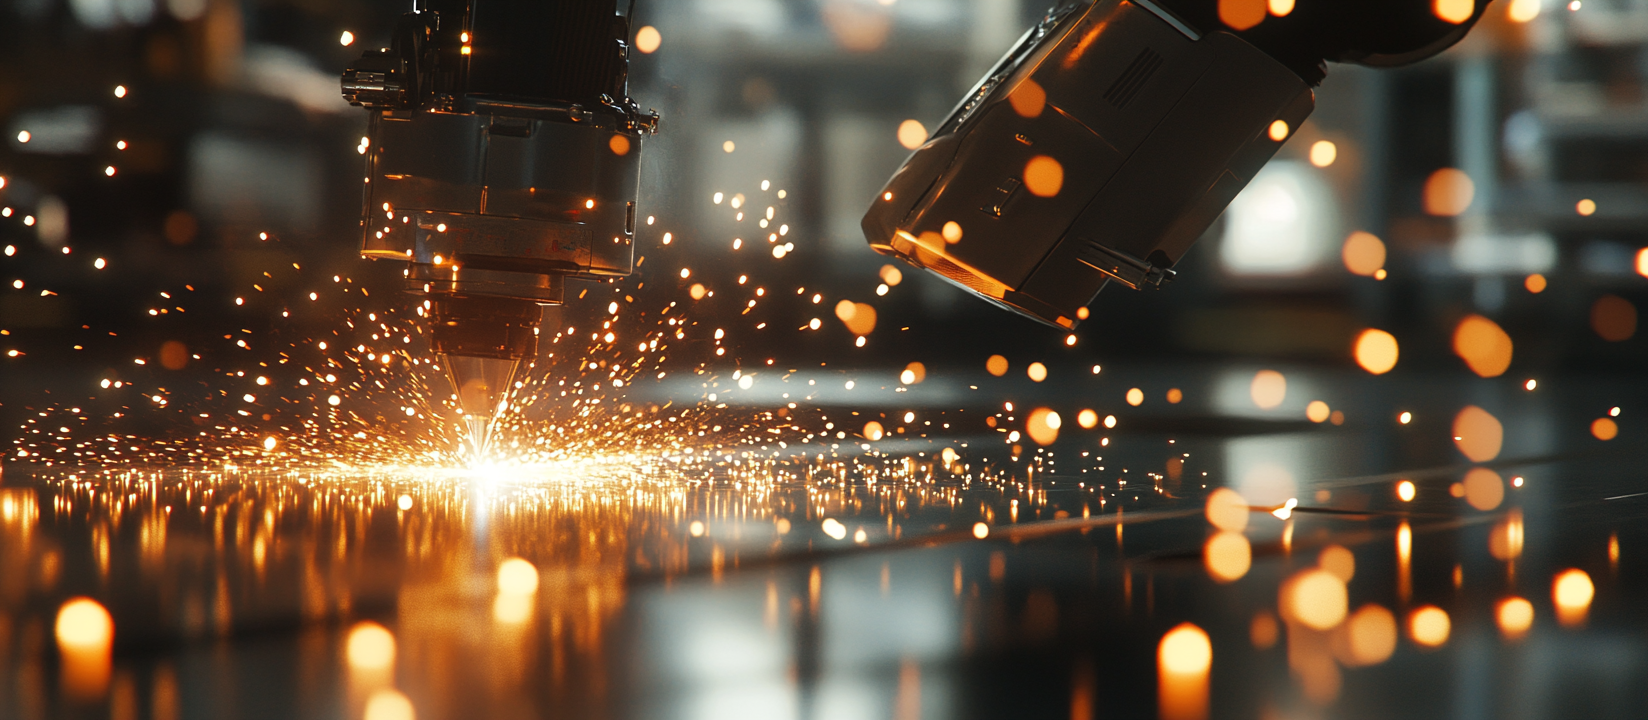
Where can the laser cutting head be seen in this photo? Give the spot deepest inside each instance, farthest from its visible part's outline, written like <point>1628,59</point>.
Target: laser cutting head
<point>1114,133</point>
<point>502,158</point>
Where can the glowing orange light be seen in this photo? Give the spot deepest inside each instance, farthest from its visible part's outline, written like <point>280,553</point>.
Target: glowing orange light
<point>1585,207</point>
<point>913,374</point>
<point>647,39</point>
<point>1242,14</point>
<point>1448,191</point>
<point>1278,130</point>
<point>1484,347</point>
<point>1376,351</point>
<point>1535,283</point>
<point>1227,510</point>
<point>1087,419</point>
<point>388,704</point>
<point>873,431</point>
<point>370,647</point>
<point>1043,426</point>
<point>1323,152</point>
<point>891,275</point>
<point>1315,598</point>
<point>996,365</point>
<point>85,638</point>
<point>1371,635</point>
<point>1642,260</point>
<point>1406,490</point>
<point>981,530</point>
<point>1339,561</point>
<point>1453,11</point>
<point>1429,626</point>
<point>1269,389</point>
<point>1521,11</point>
<point>1037,372</point>
<point>1184,658</point>
<point>1477,434</point>
<point>1363,253</point>
<point>1174,396</point>
<point>911,134</point>
<point>1043,176</point>
<point>1514,615</point>
<point>1572,592</point>
<point>1028,99</point>
<point>1135,397</point>
<point>1484,489</point>
<point>1614,318</point>
<point>1604,429</point>
<point>1227,556</point>
<point>1318,411</point>
<point>619,145</point>
<point>951,232</point>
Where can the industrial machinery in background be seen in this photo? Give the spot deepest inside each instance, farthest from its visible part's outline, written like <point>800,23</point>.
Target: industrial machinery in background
<point>1116,131</point>
<point>502,158</point>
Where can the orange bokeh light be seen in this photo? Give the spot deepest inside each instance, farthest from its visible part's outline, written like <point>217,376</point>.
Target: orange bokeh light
<point>1242,14</point>
<point>1043,176</point>
<point>1377,351</point>
<point>1614,318</point>
<point>1363,253</point>
<point>1448,191</point>
<point>1478,434</point>
<point>1483,345</point>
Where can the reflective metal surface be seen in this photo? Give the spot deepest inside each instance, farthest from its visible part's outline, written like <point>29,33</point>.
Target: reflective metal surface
<point>1362,569</point>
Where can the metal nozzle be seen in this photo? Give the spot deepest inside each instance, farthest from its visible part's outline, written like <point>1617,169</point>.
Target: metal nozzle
<point>482,342</point>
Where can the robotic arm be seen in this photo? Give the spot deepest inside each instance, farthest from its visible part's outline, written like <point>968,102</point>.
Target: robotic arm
<point>1109,139</point>
<point>503,158</point>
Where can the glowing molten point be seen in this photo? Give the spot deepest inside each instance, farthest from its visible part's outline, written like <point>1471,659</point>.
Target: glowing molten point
<point>1572,593</point>
<point>481,384</point>
<point>981,531</point>
<point>85,637</point>
<point>1406,490</point>
<point>1087,419</point>
<point>1279,130</point>
<point>1183,660</point>
<point>996,365</point>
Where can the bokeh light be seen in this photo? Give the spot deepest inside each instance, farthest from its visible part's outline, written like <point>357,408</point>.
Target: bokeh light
<point>1376,351</point>
<point>1514,616</point>
<point>1363,253</point>
<point>1429,626</point>
<point>1484,347</point>
<point>1227,556</point>
<point>1572,592</point>
<point>1449,191</point>
<point>1268,390</point>
<point>1478,434</point>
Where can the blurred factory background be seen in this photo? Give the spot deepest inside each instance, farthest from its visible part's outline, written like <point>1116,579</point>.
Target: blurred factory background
<point>1507,178</point>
